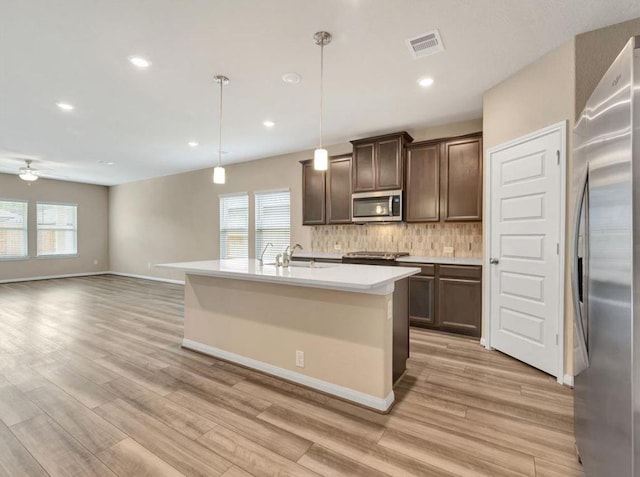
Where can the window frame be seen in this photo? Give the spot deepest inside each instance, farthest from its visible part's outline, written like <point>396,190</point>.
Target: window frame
<point>13,258</point>
<point>49,256</point>
<point>220,223</point>
<point>255,218</point>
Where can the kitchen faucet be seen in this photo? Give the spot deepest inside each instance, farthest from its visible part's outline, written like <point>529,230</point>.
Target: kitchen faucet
<point>263,252</point>
<point>288,254</point>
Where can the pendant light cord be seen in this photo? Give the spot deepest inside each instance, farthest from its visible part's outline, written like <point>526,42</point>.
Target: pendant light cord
<point>321,88</point>
<point>220,127</point>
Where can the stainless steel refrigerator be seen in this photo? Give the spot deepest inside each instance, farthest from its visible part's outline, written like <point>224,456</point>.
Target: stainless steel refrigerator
<point>606,271</point>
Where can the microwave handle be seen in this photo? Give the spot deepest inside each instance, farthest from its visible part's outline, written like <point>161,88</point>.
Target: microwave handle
<point>390,205</point>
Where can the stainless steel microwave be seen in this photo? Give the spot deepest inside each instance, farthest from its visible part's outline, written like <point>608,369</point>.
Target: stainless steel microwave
<point>381,206</point>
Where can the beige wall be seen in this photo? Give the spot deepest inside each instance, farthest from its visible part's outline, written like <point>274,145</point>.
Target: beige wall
<point>176,218</point>
<point>595,51</point>
<point>537,96</point>
<point>93,204</point>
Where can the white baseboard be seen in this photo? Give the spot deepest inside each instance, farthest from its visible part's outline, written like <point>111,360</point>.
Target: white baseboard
<point>367,400</point>
<point>568,380</point>
<point>52,277</point>
<point>145,277</point>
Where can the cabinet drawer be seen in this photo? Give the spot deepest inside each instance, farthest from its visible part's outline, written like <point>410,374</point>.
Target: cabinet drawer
<point>469,272</point>
<point>428,270</point>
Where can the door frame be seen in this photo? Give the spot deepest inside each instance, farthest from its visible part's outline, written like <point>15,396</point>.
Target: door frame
<point>560,127</point>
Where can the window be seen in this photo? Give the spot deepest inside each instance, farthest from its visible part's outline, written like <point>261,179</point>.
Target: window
<point>13,229</point>
<point>57,229</point>
<point>273,222</point>
<point>234,226</point>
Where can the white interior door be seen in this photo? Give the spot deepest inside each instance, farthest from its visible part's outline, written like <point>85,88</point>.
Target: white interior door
<point>525,246</point>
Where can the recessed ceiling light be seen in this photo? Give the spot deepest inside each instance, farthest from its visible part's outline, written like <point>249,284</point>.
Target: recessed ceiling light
<point>425,82</point>
<point>139,61</point>
<point>65,106</point>
<point>111,163</point>
<point>193,144</point>
<point>269,124</point>
<point>291,78</point>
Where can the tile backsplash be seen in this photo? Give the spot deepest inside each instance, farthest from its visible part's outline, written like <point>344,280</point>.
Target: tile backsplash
<point>418,239</point>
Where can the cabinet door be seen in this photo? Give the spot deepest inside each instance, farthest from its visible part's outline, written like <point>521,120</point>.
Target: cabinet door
<point>339,191</point>
<point>388,164</point>
<point>423,184</point>
<point>462,180</point>
<point>364,177</point>
<point>460,305</point>
<point>422,300</point>
<point>313,195</point>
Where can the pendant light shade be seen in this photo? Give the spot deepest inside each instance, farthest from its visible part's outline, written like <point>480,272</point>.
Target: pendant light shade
<point>320,155</point>
<point>219,174</point>
<point>320,160</point>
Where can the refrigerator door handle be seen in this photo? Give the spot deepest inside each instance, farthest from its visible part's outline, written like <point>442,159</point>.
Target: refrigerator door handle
<point>575,292</point>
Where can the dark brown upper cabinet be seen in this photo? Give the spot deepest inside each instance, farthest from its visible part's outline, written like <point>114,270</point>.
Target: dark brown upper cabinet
<point>422,187</point>
<point>378,162</point>
<point>339,190</point>
<point>313,195</point>
<point>326,196</point>
<point>461,179</point>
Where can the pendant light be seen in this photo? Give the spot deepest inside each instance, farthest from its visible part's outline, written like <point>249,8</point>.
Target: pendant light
<point>219,176</point>
<point>27,173</point>
<point>320,155</point>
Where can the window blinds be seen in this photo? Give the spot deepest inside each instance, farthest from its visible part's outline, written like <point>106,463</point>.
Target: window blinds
<point>13,229</point>
<point>234,226</point>
<point>273,222</point>
<point>57,229</point>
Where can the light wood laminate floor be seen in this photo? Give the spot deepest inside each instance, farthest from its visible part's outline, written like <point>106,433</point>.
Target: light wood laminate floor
<point>93,381</point>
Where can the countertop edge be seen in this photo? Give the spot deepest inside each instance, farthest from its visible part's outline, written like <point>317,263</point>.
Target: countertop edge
<point>380,288</point>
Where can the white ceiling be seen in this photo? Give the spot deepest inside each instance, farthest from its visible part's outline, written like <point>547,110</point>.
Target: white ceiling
<point>76,51</point>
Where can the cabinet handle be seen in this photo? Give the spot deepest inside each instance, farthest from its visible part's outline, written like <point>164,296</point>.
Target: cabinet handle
<point>494,261</point>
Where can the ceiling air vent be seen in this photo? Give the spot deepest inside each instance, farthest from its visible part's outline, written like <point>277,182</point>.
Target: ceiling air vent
<point>425,44</point>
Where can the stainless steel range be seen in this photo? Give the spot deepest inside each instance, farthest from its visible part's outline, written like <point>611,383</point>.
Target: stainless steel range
<point>373,258</point>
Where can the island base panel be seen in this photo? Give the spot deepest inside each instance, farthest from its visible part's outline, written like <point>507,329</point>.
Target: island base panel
<point>347,338</point>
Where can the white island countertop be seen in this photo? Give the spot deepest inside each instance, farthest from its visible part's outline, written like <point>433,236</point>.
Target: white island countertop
<point>376,280</point>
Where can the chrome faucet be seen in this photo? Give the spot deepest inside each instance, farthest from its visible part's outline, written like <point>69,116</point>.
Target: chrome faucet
<point>263,252</point>
<point>288,254</point>
<point>293,249</point>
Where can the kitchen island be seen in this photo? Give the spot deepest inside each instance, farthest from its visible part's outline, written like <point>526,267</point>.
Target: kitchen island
<point>341,329</point>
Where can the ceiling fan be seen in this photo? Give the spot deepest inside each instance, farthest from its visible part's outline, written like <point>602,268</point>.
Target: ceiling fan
<point>27,173</point>
<point>10,163</point>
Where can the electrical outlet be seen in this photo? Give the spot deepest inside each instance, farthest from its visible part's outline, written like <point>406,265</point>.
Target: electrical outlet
<point>95,262</point>
<point>390,309</point>
<point>337,246</point>
<point>149,266</point>
<point>447,249</point>
<point>300,359</point>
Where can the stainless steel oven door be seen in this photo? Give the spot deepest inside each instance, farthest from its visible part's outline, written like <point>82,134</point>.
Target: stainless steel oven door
<point>383,206</point>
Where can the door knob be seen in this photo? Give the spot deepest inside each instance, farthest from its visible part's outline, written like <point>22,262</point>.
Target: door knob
<point>494,261</point>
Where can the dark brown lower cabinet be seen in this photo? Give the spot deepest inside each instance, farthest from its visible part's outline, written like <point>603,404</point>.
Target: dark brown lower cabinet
<point>460,305</point>
<point>446,298</point>
<point>422,300</point>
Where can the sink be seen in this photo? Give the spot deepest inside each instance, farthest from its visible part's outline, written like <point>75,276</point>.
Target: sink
<point>311,264</point>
